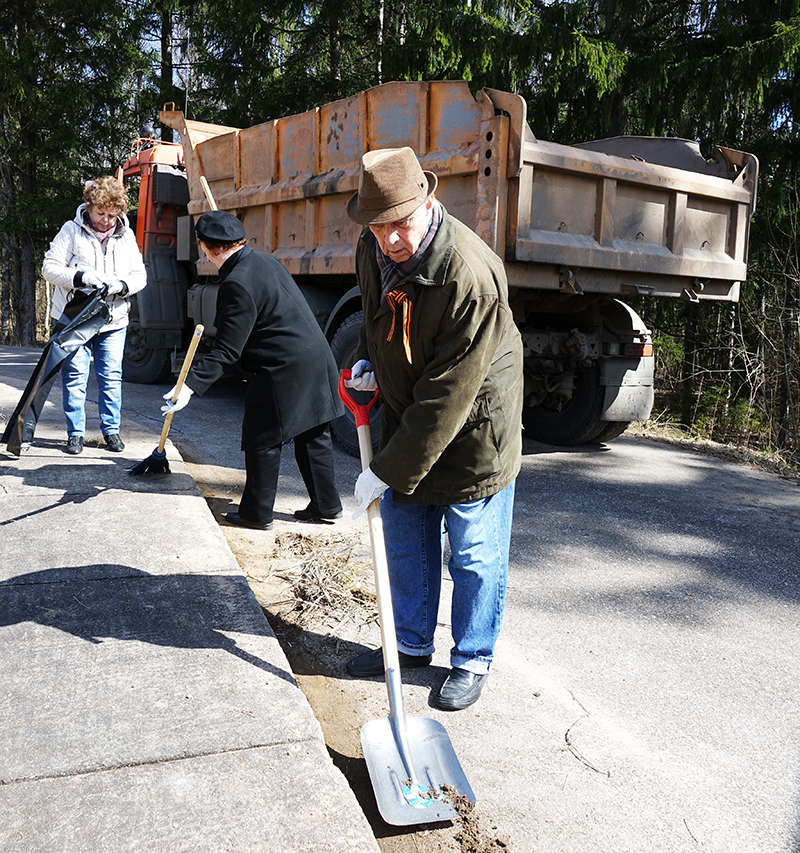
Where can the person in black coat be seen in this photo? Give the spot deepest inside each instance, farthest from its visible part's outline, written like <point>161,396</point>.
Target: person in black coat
<point>264,321</point>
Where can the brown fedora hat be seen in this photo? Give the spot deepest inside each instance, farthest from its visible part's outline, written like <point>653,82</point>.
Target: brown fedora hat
<point>391,186</point>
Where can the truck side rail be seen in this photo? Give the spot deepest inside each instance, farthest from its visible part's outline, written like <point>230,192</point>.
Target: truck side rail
<point>636,221</point>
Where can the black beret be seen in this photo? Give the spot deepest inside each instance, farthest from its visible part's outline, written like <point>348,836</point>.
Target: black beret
<point>221,226</point>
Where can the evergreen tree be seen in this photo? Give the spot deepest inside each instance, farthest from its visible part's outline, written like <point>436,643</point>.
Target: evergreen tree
<point>67,96</point>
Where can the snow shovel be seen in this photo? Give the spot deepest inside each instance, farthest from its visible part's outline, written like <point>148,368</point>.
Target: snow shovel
<point>413,767</point>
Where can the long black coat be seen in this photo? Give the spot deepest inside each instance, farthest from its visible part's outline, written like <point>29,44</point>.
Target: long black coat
<point>263,319</point>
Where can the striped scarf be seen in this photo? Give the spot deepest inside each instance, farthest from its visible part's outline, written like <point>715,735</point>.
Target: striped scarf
<point>102,236</point>
<point>393,273</point>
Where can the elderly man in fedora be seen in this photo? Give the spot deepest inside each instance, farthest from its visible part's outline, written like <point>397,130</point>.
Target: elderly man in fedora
<point>440,342</point>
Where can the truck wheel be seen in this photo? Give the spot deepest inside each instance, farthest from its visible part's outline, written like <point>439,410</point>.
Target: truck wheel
<point>578,420</point>
<point>610,430</point>
<point>344,346</point>
<point>141,364</point>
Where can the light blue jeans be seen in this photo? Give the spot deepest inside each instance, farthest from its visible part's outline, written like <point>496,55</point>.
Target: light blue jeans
<point>107,349</point>
<point>479,534</point>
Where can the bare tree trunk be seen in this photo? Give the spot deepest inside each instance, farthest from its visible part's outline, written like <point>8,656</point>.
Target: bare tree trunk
<point>727,335</point>
<point>6,267</point>
<point>14,289</point>
<point>381,38</point>
<point>167,133</point>
<point>27,312</point>
<point>26,304</point>
<point>5,292</point>
<point>688,370</point>
<point>761,372</point>
<point>787,426</point>
<point>334,49</point>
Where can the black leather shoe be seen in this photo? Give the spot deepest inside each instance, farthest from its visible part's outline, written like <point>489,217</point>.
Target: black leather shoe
<point>237,521</point>
<point>114,442</point>
<point>371,663</point>
<point>74,445</point>
<point>460,690</point>
<point>311,513</point>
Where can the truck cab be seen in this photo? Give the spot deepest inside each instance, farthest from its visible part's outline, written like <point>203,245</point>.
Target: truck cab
<point>156,176</point>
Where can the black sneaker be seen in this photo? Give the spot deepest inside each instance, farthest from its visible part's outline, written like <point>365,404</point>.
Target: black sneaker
<point>311,513</point>
<point>237,521</point>
<point>114,442</point>
<point>74,445</point>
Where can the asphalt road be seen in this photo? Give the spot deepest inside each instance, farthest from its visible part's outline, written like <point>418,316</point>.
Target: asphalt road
<point>645,692</point>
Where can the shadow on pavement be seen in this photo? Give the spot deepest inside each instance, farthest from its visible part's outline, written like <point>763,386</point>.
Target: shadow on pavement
<point>109,601</point>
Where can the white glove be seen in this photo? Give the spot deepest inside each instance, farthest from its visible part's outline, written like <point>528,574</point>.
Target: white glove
<point>184,395</point>
<point>91,278</point>
<point>368,487</point>
<point>116,286</point>
<point>361,377</point>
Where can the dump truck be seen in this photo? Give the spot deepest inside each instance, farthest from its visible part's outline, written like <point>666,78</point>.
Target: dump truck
<point>580,228</point>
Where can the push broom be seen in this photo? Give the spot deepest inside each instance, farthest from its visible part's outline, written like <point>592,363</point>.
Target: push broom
<point>157,462</point>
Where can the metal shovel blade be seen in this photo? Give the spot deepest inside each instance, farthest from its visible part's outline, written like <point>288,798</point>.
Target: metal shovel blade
<point>434,760</point>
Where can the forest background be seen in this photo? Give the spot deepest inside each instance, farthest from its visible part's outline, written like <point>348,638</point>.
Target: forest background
<point>78,80</point>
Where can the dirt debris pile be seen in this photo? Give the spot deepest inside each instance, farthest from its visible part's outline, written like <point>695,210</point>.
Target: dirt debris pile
<point>469,833</point>
<point>325,578</point>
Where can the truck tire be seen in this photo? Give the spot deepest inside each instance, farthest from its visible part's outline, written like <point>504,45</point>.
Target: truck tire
<point>344,346</point>
<point>577,422</point>
<point>610,430</point>
<point>142,364</point>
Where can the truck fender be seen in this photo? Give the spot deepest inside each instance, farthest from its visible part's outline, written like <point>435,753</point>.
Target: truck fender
<point>628,381</point>
<point>348,304</point>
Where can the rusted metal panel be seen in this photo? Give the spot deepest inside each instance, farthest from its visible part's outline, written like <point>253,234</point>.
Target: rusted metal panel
<point>594,211</point>
<point>613,216</point>
<point>257,156</point>
<point>193,134</point>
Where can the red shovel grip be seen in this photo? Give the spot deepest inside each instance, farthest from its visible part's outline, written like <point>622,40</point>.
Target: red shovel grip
<point>361,412</point>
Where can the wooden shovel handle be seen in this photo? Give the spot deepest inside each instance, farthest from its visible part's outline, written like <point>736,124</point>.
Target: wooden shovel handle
<point>187,363</point>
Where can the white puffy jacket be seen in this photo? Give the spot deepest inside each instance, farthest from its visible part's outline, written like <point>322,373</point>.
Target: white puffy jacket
<point>76,249</point>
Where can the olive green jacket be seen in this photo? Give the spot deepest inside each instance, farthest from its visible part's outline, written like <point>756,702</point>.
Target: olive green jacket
<point>448,361</point>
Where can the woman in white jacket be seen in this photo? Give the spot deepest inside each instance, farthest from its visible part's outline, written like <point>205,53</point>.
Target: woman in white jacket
<point>94,249</point>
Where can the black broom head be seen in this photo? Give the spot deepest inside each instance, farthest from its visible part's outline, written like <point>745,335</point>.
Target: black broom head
<point>156,463</point>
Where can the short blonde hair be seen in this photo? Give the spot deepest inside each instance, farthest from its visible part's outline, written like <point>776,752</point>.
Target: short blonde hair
<point>107,193</point>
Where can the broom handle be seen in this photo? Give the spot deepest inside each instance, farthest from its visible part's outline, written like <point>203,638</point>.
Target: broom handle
<point>187,363</point>
<point>207,191</point>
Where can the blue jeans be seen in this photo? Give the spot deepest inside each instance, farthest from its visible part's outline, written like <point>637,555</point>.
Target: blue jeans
<point>479,534</point>
<point>107,349</point>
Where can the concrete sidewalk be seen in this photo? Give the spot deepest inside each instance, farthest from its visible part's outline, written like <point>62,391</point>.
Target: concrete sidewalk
<point>145,702</point>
